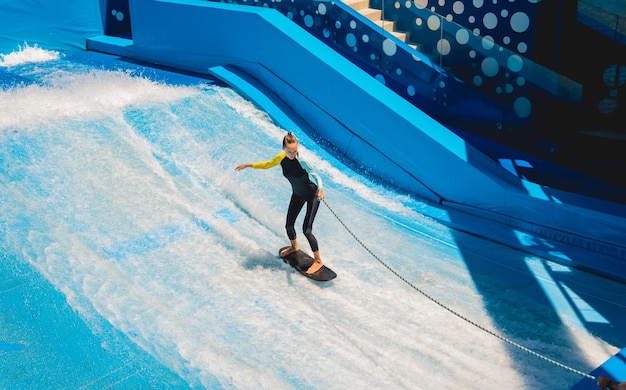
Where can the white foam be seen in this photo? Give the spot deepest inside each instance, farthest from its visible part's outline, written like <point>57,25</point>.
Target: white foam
<point>26,55</point>
<point>64,95</point>
<point>119,207</point>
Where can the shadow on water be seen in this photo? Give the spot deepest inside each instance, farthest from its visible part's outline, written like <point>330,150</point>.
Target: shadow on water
<point>263,259</point>
<point>570,296</point>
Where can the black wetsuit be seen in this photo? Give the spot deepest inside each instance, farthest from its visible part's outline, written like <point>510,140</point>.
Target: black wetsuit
<point>304,191</point>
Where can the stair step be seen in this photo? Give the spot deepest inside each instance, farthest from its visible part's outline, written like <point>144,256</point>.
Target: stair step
<point>387,25</point>
<point>400,35</point>
<point>358,4</point>
<point>372,14</point>
<point>375,15</point>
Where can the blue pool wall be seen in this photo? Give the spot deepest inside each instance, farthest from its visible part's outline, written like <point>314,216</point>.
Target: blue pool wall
<point>358,115</point>
<point>54,25</point>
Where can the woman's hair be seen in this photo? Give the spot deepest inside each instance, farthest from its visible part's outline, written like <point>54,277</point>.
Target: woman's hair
<point>289,139</point>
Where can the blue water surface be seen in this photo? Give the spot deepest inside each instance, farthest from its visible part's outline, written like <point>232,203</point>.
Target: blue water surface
<point>135,256</point>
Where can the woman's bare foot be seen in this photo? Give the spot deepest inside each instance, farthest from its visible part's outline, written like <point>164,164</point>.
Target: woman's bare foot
<point>317,264</point>
<point>287,251</point>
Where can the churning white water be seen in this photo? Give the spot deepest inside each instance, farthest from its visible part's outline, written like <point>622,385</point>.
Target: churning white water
<point>120,189</point>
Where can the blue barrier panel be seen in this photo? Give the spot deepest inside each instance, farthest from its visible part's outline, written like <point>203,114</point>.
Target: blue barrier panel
<point>56,25</point>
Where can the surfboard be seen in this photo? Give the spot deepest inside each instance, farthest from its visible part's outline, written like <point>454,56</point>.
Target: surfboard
<point>301,261</point>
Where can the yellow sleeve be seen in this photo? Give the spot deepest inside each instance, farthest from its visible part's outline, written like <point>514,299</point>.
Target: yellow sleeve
<point>270,163</point>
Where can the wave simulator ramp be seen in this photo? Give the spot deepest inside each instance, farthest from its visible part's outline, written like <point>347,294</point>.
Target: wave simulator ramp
<point>368,122</point>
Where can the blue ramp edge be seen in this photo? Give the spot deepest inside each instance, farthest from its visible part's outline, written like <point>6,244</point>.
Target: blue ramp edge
<point>113,45</point>
<point>259,94</point>
<point>614,368</point>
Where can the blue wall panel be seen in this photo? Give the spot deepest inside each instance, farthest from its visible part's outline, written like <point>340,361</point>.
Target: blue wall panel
<point>54,25</point>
